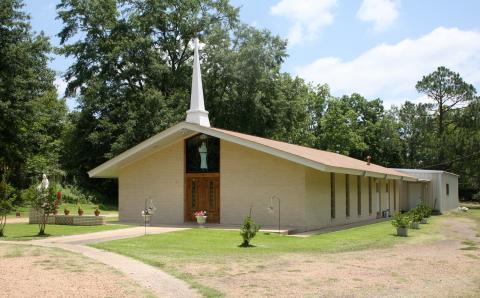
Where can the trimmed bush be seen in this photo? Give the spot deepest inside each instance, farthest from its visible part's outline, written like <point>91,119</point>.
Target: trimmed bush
<point>248,231</point>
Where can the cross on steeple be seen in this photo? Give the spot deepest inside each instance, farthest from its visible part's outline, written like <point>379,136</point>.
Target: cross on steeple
<point>197,113</point>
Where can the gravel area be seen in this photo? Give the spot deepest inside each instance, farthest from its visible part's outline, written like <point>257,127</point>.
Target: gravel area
<point>443,268</point>
<point>30,271</point>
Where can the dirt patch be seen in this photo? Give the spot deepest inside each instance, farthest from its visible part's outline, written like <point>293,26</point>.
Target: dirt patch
<point>442,268</point>
<point>28,271</point>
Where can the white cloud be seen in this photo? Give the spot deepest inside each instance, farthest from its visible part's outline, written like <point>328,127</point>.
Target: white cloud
<point>61,85</point>
<point>390,72</point>
<point>382,13</point>
<point>307,17</point>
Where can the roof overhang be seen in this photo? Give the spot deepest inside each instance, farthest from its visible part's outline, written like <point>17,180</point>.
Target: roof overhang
<point>183,130</point>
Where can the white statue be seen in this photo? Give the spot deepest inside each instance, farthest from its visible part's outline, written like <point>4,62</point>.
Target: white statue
<point>44,184</point>
<point>203,156</point>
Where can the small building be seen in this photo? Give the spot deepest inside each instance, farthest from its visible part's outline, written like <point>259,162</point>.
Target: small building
<point>438,189</point>
<point>194,167</point>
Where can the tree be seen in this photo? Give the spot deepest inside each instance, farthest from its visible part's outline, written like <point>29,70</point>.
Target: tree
<point>7,197</point>
<point>248,231</point>
<point>30,113</point>
<point>132,76</point>
<point>44,199</point>
<point>449,91</point>
<point>416,126</point>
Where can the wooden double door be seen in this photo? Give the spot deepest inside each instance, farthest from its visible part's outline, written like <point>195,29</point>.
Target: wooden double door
<point>202,193</point>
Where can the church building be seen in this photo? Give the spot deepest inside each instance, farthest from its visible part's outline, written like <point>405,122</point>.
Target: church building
<point>192,166</point>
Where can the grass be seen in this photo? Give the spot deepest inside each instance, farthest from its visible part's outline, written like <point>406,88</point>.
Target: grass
<point>201,243</point>
<point>174,251</point>
<point>23,232</point>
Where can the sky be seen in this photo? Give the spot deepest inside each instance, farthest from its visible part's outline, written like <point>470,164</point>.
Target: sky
<point>378,48</point>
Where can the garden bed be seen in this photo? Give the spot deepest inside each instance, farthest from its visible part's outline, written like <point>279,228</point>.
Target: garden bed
<point>72,220</point>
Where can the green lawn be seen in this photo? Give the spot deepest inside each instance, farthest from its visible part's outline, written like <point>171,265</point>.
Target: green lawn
<point>22,231</point>
<point>205,243</point>
<point>176,251</point>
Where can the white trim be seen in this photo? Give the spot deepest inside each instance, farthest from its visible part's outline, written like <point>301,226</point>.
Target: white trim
<point>424,171</point>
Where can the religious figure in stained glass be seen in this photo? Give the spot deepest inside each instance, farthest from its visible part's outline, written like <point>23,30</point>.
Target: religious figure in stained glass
<point>203,156</point>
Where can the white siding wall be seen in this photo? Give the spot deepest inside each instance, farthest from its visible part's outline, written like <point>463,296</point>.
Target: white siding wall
<point>249,178</point>
<point>159,176</point>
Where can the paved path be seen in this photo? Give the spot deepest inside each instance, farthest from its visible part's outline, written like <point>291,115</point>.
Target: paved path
<point>157,281</point>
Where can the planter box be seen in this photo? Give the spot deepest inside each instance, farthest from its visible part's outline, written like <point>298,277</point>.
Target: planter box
<point>74,220</point>
<point>402,232</point>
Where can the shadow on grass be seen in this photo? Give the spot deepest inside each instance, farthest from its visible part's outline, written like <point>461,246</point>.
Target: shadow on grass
<point>24,237</point>
<point>246,245</point>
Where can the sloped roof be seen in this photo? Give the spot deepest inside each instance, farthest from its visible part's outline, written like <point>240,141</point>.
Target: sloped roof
<point>324,157</point>
<point>314,158</point>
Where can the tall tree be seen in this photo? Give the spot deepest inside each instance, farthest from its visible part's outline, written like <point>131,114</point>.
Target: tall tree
<point>30,113</point>
<point>416,126</point>
<point>449,91</point>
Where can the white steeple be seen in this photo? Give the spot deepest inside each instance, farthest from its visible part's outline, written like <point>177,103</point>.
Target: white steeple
<point>197,113</point>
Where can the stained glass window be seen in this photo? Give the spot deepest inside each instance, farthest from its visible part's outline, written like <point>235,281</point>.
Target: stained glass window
<point>202,154</point>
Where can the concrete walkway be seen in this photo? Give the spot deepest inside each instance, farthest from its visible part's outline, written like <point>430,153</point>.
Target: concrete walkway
<point>152,278</point>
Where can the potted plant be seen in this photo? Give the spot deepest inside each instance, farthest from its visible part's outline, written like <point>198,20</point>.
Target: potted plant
<point>17,214</point>
<point>66,211</point>
<point>97,211</point>
<point>416,216</point>
<point>401,221</point>
<point>426,213</point>
<point>80,210</point>
<point>201,217</point>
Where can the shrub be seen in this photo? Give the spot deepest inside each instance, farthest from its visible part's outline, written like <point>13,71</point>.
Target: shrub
<point>74,195</point>
<point>401,220</point>
<point>416,214</point>
<point>44,201</point>
<point>248,231</point>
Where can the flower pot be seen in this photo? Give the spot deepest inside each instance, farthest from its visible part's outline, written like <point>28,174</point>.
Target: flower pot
<point>201,220</point>
<point>415,225</point>
<point>17,214</point>
<point>424,220</point>
<point>80,212</point>
<point>97,212</point>
<point>402,232</point>
<point>66,212</point>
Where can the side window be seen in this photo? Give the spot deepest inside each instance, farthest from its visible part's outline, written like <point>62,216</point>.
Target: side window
<point>370,195</point>
<point>359,195</point>
<point>448,189</point>
<point>347,195</point>
<point>332,195</point>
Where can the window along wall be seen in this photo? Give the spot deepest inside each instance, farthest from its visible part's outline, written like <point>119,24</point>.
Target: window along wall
<point>347,195</point>
<point>353,196</point>
<point>332,195</point>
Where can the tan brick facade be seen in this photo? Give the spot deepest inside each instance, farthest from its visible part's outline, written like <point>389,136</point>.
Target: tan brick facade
<point>248,178</point>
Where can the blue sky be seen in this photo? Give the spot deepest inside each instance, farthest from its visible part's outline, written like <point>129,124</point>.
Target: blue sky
<point>379,48</point>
